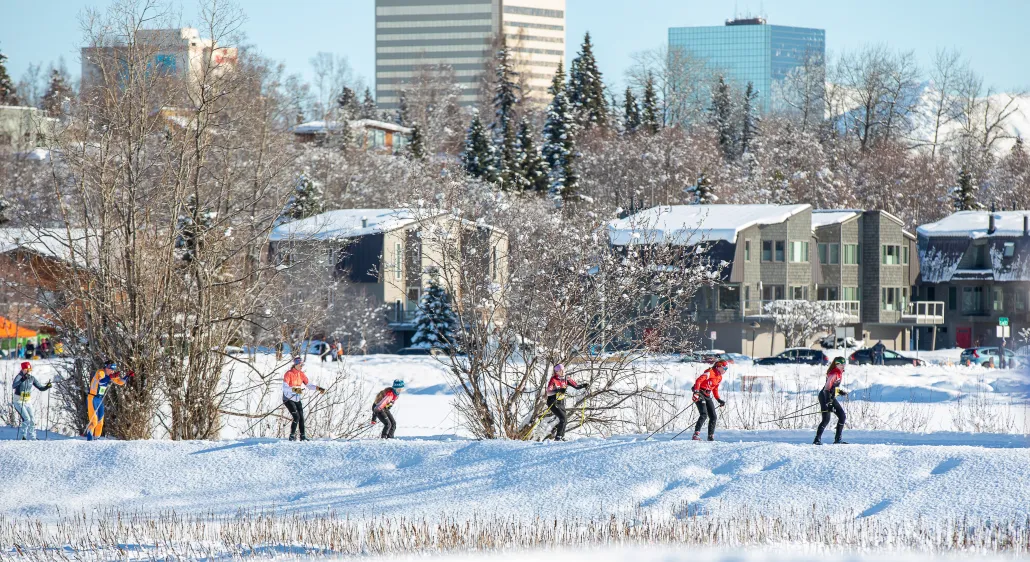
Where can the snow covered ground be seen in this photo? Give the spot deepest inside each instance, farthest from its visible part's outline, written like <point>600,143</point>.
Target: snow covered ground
<point>666,554</point>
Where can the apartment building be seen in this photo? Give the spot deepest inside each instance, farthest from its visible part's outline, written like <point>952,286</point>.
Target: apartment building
<point>379,252</point>
<point>412,34</point>
<point>978,263</point>
<point>863,262</point>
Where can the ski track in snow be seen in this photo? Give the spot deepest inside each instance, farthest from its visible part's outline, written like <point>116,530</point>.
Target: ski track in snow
<point>933,476</point>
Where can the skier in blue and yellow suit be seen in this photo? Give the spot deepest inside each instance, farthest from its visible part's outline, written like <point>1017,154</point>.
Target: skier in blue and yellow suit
<point>102,379</point>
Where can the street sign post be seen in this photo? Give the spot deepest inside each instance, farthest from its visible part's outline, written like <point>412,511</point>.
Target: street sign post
<point>1003,321</point>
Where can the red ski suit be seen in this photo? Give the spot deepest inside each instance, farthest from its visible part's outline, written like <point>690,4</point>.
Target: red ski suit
<point>709,382</point>
<point>833,378</point>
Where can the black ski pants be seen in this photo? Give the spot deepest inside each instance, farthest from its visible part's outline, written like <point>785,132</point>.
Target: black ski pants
<point>828,404</point>
<point>389,424</point>
<point>296,410</point>
<point>706,412</point>
<point>557,408</point>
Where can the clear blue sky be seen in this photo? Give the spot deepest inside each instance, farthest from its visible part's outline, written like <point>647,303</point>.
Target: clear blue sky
<point>991,33</point>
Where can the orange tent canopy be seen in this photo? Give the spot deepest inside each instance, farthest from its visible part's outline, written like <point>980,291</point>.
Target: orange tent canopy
<point>9,330</point>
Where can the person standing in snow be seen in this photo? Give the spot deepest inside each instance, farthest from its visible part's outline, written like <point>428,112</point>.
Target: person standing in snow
<point>556,389</point>
<point>828,401</point>
<point>23,383</point>
<point>98,387</point>
<point>878,350</point>
<point>705,387</point>
<point>385,400</point>
<point>295,382</point>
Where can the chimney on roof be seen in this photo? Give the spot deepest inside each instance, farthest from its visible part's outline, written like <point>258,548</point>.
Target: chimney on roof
<point>364,222</point>
<point>1026,225</point>
<point>990,224</point>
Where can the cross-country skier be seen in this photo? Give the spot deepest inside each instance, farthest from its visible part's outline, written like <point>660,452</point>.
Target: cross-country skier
<point>381,408</point>
<point>23,383</point>
<point>706,386</point>
<point>556,388</point>
<point>295,382</point>
<point>98,387</point>
<point>828,401</point>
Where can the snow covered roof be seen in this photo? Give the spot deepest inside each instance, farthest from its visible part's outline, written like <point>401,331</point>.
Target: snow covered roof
<point>343,223</point>
<point>973,224</point>
<point>826,217</point>
<point>48,242</point>
<point>320,126</point>
<point>689,224</point>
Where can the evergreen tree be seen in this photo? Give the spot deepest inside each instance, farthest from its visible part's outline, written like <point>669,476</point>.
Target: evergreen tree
<point>478,157</point>
<point>702,192</point>
<point>435,321</point>
<point>8,96</point>
<point>5,206</point>
<point>963,196</point>
<point>586,88</point>
<point>559,149</point>
<point>57,92</point>
<point>651,115</point>
<point>749,119</point>
<point>192,226</point>
<point>369,110</point>
<point>417,146</point>
<point>532,168</point>
<point>306,200</point>
<point>721,116</point>
<point>506,96</point>
<point>631,113</point>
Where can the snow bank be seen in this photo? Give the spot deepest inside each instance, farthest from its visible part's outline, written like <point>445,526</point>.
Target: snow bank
<point>585,478</point>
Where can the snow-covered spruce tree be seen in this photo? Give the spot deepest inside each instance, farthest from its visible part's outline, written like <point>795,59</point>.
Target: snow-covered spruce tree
<point>532,167</point>
<point>507,95</point>
<point>964,195</point>
<point>307,200</point>
<point>417,147</point>
<point>749,119</point>
<point>192,225</point>
<point>5,206</point>
<point>435,320</point>
<point>702,192</point>
<point>58,91</point>
<point>369,109</point>
<point>586,88</point>
<point>559,149</point>
<point>630,112</point>
<point>721,117</point>
<point>8,96</point>
<point>651,117</point>
<point>478,157</point>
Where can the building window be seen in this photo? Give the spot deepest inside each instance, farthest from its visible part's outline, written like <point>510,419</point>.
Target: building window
<point>539,12</point>
<point>729,297</point>
<point>999,300</point>
<point>772,292</point>
<point>952,298</point>
<point>891,255</point>
<point>1020,300</point>
<point>890,298</point>
<point>973,301</point>
<point>398,263</point>
<point>849,294</point>
<point>747,296</point>
<point>780,246</point>
<point>1009,249</point>
<point>829,254</point>
<point>828,294</point>
<point>493,263</point>
<point>798,252</point>
<point>747,250</point>
<point>851,254</point>
<point>398,311</point>
<point>767,250</point>
<point>904,255</point>
<point>799,293</point>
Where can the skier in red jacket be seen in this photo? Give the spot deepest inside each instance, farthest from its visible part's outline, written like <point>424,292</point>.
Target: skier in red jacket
<point>828,402</point>
<point>385,400</point>
<point>556,388</point>
<point>706,386</point>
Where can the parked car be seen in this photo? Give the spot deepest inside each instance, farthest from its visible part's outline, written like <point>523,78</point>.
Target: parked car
<point>707,356</point>
<point>983,355</point>
<point>864,356</point>
<point>422,351</point>
<point>797,355</point>
<point>830,342</point>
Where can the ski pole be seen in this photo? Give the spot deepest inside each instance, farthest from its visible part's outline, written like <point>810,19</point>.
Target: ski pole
<point>793,417</point>
<point>691,405</point>
<point>684,429</point>
<point>801,410</point>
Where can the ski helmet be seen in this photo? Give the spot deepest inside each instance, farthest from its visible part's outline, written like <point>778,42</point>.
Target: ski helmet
<point>721,364</point>
<point>838,360</point>
<point>298,361</point>
<point>26,366</point>
<point>559,368</point>
<point>398,384</point>
<point>110,364</point>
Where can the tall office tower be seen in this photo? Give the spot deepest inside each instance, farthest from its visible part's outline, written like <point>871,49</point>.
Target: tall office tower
<point>411,34</point>
<point>750,50</point>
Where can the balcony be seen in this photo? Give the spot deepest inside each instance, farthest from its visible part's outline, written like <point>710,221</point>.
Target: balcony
<point>923,313</point>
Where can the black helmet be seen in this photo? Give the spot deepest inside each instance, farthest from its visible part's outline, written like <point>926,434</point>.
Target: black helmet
<point>838,360</point>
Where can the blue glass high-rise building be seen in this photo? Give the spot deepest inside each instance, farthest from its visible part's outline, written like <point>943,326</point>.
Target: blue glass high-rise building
<point>750,50</point>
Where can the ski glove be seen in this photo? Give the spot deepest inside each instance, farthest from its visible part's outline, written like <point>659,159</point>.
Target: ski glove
<point>320,389</point>
<point>721,402</point>
<point>696,397</point>
<point>842,392</point>
<point>48,386</point>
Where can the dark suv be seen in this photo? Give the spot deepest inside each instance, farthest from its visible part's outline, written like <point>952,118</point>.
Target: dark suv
<point>798,355</point>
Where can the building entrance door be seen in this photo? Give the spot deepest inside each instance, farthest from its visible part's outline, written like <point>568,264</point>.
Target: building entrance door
<point>964,336</point>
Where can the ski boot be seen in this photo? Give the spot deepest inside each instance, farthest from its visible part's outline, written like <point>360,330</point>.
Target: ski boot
<point>293,437</point>
<point>817,441</point>
<point>696,437</point>
<point>711,437</point>
<point>303,437</point>
<point>840,442</point>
